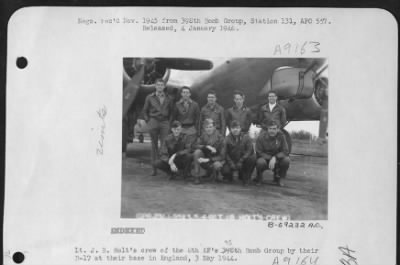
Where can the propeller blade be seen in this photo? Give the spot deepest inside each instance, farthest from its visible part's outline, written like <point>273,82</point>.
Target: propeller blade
<point>188,64</point>
<point>131,89</point>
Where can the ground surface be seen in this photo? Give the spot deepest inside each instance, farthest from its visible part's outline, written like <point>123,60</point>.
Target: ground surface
<point>304,196</point>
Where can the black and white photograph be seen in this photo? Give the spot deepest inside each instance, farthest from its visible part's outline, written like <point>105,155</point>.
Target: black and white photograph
<point>225,136</point>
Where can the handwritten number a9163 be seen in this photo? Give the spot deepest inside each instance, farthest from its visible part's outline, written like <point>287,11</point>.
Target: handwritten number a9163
<point>297,48</point>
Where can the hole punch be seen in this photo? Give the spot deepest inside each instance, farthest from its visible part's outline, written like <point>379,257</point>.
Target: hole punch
<point>18,257</point>
<point>22,62</point>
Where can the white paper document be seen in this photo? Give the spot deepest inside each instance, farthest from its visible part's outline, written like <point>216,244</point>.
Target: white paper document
<point>98,98</point>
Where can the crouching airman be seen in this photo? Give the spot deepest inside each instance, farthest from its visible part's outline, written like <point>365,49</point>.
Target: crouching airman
<point>175,155</point>
<point>240,159</point>
<point>208,157</point>
<point>272,153</point>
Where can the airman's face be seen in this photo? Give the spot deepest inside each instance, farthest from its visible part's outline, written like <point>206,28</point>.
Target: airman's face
<point>160,86</point>
<point>185,94</point>
<point>176,131</point>
<point>236,130</point>
<point>211,99</point>
<point>272,98</point>
<point>238,99</point>
<point>272,130</point>
<point>209,128</point>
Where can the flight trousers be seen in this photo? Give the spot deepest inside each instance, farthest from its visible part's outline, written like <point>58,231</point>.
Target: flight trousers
<point>182,162</point>
<point>158,131</point>
<point>211,168</point>
<point>244,173</point>
<point>280,170</point>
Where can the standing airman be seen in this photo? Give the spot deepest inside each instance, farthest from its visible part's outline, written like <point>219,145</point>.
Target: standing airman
<point>239,112</point>
<point>157,112</point>
<point>212,110</point>
<point>272,111</point>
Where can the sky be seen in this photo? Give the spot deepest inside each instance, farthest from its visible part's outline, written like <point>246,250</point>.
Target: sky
<point>309,126</point>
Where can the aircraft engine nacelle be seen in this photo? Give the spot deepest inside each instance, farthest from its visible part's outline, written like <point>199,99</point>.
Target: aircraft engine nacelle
<point>321,90</point>
<point>293,83</point>
<point>152,70</point>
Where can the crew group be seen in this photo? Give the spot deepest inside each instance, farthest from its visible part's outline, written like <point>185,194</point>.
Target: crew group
<point>198,147</point>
